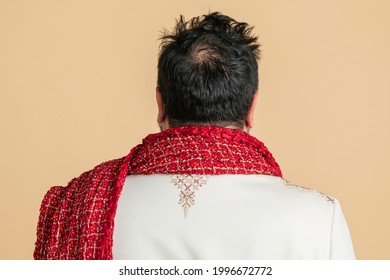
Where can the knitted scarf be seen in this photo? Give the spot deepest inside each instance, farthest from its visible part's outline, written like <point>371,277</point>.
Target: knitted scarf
<point>77,221</point>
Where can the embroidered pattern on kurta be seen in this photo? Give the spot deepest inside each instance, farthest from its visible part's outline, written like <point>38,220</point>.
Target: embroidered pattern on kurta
<point>188,185</point>
<point>328,198</point>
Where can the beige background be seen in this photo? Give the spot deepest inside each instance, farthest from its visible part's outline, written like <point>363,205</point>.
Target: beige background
<point>77,82</point>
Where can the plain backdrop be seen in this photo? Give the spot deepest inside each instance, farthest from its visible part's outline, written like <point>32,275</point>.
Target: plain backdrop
<point>77,87</point>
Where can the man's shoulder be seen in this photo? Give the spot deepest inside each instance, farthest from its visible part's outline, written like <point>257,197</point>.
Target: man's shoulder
<point>287,193</point>
<point>307,194</point>
<point>104,167</point>
<point>99,172</point>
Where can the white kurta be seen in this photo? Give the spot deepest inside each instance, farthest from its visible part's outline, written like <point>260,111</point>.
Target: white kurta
<point>228,217</point>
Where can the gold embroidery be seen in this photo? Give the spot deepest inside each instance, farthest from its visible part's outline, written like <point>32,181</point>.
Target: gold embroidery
<point>328,198</point>
<point>188,185</point>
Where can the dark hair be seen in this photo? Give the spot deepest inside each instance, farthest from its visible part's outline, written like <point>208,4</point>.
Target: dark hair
<point>207,71</point>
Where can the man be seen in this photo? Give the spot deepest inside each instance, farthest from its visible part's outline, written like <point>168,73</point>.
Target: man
<point>203,188</point>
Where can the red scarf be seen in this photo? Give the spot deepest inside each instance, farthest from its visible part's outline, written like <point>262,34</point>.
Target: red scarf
<point>77,221</point>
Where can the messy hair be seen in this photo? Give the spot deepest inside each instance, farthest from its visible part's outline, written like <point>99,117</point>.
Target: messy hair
<point>207,71</point>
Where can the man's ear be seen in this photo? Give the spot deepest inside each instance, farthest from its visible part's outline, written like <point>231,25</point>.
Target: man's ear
<point>160,106</point>
<point>251,111</point>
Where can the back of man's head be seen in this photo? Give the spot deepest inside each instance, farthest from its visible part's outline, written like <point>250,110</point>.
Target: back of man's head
<point>207,71</point>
